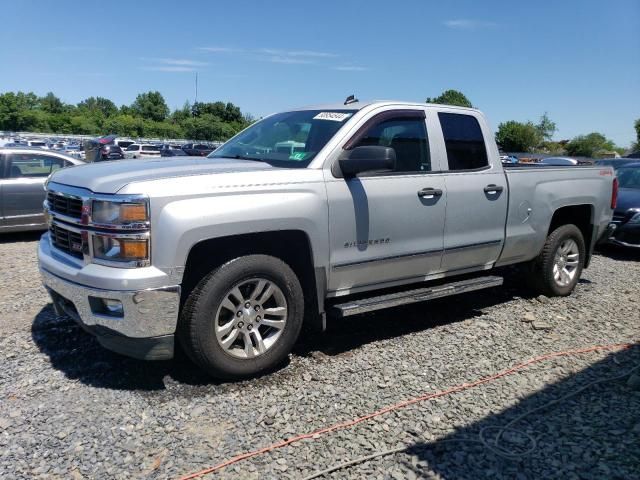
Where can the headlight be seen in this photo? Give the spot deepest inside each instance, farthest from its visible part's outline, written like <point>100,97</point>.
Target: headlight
<point>119,213</point>
<point>120,249</point>
<point>635,219</point>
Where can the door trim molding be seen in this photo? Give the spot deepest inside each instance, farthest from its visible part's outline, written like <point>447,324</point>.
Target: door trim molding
<point>389,258</point>
<point>473,245</point>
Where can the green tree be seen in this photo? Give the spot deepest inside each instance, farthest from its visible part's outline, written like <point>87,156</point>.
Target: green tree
<point>181,114</point>
<point>51,104</point>
<point>546,127</point>
<point>98,104</point>
<point>150,106</point>
<point>589,145</point>
<point>451,97</point>
<point>515,136</point>
<point>637,127</point>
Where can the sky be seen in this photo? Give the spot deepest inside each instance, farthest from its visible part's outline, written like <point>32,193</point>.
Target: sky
<point>579,61</point>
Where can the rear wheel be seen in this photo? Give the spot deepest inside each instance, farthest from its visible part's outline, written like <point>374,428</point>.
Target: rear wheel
<point>556,271</point>
<point>243,318</point>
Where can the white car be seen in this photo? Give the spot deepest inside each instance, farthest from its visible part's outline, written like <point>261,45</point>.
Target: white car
<point>37,144</point>
<point>144,150</point>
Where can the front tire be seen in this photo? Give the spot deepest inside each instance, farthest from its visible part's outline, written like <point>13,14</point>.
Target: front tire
<point>243,318</point>
<point>556,270</point>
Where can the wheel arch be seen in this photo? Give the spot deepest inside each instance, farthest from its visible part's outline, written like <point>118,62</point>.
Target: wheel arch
<point>582,216</point>
<point>294,247</point>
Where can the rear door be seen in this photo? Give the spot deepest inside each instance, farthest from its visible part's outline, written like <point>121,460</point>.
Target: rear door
<point>382,228</point>
<point>476,193</point>
<point>23,188</point>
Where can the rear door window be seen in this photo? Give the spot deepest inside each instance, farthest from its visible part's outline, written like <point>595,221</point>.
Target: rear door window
<point>24,165</point>
<point>464,141</point>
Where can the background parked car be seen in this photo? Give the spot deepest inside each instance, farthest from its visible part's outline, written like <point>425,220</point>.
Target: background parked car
<point>37,143</point>
<point>198,149</point>
<point>173,152</point>
<point>616,163</point>
<point>508,159</point>
<point>110,152</point>
<point>626,216</point>
<point>23,172</point>
<point>144,150</point>
<point>558,161</point>
<point>123,143</point>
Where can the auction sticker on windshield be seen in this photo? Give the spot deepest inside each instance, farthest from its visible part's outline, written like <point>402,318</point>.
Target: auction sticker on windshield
<point>334,116</point>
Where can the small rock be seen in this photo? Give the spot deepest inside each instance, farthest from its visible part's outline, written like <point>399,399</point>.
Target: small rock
<point>306,377</point>
<point>528,317</point>
<point>542,299</point>
<point>5,423</point>
<point>198,411</point>
<point>541,325</point>
<point>269,421</point>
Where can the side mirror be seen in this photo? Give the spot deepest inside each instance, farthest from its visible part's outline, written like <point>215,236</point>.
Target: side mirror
<point>367,159</point>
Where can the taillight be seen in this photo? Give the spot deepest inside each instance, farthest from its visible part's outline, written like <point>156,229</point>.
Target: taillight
<point>614,193</point>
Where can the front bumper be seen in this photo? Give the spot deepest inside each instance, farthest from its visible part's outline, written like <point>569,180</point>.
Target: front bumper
<point>625,235</point>
<point>146,327</point>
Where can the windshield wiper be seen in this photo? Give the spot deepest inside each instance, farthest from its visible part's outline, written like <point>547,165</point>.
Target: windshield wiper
<point>253,159</point>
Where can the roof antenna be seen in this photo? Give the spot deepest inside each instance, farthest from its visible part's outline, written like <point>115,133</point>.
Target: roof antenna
<point>351,99</point>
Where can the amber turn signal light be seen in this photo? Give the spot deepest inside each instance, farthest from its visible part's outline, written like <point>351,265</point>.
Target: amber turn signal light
<point>133,212</point>
<point>134,249</point>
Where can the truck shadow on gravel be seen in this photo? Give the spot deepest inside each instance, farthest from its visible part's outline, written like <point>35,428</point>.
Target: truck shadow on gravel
<point>347,334</point>
<point>20,237</point>
<point>619,253</point>
<point>81,357</point>
<point>594,434</point>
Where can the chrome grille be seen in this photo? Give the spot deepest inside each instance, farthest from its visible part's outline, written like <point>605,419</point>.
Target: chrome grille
<point>66,240</point>
<point>64,205</point>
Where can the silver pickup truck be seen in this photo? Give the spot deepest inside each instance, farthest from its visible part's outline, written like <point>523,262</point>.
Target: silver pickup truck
<point>336,209</point>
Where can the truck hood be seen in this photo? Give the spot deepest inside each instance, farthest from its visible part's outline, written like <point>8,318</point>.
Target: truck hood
<point>109,177</point>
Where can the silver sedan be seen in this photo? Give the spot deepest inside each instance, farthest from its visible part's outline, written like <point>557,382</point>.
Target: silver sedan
<point>23,172</point>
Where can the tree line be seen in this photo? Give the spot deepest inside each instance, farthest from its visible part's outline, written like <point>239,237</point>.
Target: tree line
<point>147,116</point>
<point>532,137</point>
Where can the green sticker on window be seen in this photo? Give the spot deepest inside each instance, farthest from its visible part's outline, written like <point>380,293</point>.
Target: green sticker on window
<point>297,156</point>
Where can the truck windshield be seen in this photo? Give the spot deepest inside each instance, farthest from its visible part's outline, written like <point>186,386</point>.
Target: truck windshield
<point>290,139</point>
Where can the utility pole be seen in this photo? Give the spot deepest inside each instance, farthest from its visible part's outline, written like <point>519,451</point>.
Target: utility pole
<point>196,101</point>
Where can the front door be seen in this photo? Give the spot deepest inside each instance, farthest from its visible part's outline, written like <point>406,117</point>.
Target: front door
<point>382,226</point>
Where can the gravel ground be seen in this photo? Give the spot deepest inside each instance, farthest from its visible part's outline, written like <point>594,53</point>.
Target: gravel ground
<point>70,409</point>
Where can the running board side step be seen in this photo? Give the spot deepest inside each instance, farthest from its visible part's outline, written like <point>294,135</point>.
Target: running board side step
<point>407,297</point>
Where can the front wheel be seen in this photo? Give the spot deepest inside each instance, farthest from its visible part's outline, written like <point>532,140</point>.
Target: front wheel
<point>243,318</point>
<point>556,270</point>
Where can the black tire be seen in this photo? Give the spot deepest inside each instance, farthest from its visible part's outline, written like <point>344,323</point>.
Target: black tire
<point>541,272</point>
<point>196,332</point>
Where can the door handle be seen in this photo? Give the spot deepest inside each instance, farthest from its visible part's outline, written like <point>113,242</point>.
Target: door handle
<point>493,189</point>
<point>429,192</point>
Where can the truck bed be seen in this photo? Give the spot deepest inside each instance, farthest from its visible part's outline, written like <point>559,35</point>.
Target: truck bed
<point>535,193</point>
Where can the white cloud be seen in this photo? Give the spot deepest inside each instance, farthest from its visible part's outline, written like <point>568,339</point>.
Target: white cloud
<point>350,68</point>
<point>171,64</point>
<point>183,62</point>
<point>219,49</point>
<point>169,68</point>
<point>468,24</point>
<point>297,53</point>
<point>288,60</point>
